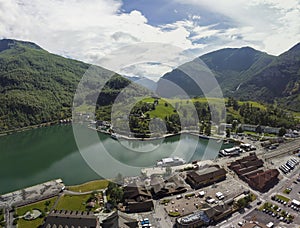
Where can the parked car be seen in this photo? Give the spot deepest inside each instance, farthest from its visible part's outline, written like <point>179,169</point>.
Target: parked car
<point>258,203</point>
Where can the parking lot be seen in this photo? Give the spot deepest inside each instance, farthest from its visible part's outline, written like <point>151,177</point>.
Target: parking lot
<point>288,206</point>
<point>230,188</point>
<point>184,205</point>
<point>261,217</point>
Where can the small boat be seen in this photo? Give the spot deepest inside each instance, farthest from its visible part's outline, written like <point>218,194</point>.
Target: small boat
<point>226,142</point>
<point>114,136</point>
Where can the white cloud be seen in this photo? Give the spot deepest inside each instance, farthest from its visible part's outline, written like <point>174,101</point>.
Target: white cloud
<point>151,71</point>
<point>85,29</point>
<point>270,25</point>
<point>88,30</point>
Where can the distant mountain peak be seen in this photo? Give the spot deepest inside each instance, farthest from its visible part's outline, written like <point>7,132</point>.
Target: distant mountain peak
<point>248,74</point>
<point>6,44</point>
<point>296,47</point>
<point>143,81</point>
<point>232,59</point>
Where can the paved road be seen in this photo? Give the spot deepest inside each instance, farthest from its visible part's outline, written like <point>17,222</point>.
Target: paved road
<point>286,148</point>
<point>236,218</point>
<point>9,218</point>
<point>163,220</point>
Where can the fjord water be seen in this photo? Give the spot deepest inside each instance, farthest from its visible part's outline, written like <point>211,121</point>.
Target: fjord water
<point>42,154</point>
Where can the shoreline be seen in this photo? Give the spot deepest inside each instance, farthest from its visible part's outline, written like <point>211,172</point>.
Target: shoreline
<point>193,133</point>
<point>31,127</point>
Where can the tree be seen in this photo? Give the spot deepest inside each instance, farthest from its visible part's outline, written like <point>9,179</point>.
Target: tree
<point>15,222</point>
<point>47,203</point>
<point>239,130</point>
<point>228,133</point>
<point>208,130</point>
<point>282,132</point>
<point>116,195</point>
<point>234,124</point>
<point>168,171</point>
<point>242,203</point>
<point>111,185</point>
<point>259,129</point>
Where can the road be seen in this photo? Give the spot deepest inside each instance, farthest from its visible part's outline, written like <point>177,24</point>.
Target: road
<point>163,220</point>
<point>284,149</point>
<point>264,197</point>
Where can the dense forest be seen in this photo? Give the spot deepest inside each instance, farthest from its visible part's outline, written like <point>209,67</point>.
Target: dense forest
<point>38,87</point>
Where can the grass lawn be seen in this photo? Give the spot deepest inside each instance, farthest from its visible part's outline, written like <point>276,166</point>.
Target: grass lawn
<point>164,201</point>
<point>89,186</point>
<point>1,217</point>
<point>30,224</point>
<point>74,203</point>
<point>174,214</point>
<point>39,205</point>
<point>254,104</point>
<point>283,198</point>
<point>286,191</point>
<point>160,110</point>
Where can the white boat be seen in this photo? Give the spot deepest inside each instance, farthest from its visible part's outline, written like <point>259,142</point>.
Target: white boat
<point>175,161</point>
<point>114,136</point>
<point>231,151</point>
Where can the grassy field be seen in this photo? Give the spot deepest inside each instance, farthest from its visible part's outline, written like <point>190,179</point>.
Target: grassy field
<point>89,186</point>
<point>30,224</point>
<point>74,203</point>
<point>283,198</point>
<point>1,217</point>
<point>39,205</point>
<point>162,110</point>
<point>167,107</point>
<point>296,115</point>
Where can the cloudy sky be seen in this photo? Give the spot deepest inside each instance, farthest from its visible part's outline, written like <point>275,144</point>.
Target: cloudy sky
<point>89,30</point>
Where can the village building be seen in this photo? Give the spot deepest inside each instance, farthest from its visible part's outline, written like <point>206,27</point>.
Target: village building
<point>205,217</point>
<point>206,176</point>
<point>62,218</point>
<point>171,186</point>
<point>250,169</point>
<point>137,199</point>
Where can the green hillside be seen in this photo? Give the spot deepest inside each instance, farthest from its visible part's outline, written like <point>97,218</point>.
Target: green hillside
<point>278,81</point>
<point>38,87</point>
<point>247,74</point>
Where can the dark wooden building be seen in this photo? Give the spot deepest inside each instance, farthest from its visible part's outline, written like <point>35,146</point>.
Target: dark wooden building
<point>205,177</point>
<point>137,199</point>
<point>250,170</point>
<point>62,218</point>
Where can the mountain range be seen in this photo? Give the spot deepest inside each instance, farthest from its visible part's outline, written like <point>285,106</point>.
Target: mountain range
<point>37,86</point>
<point>143,81</point>
<point>248,74</point>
